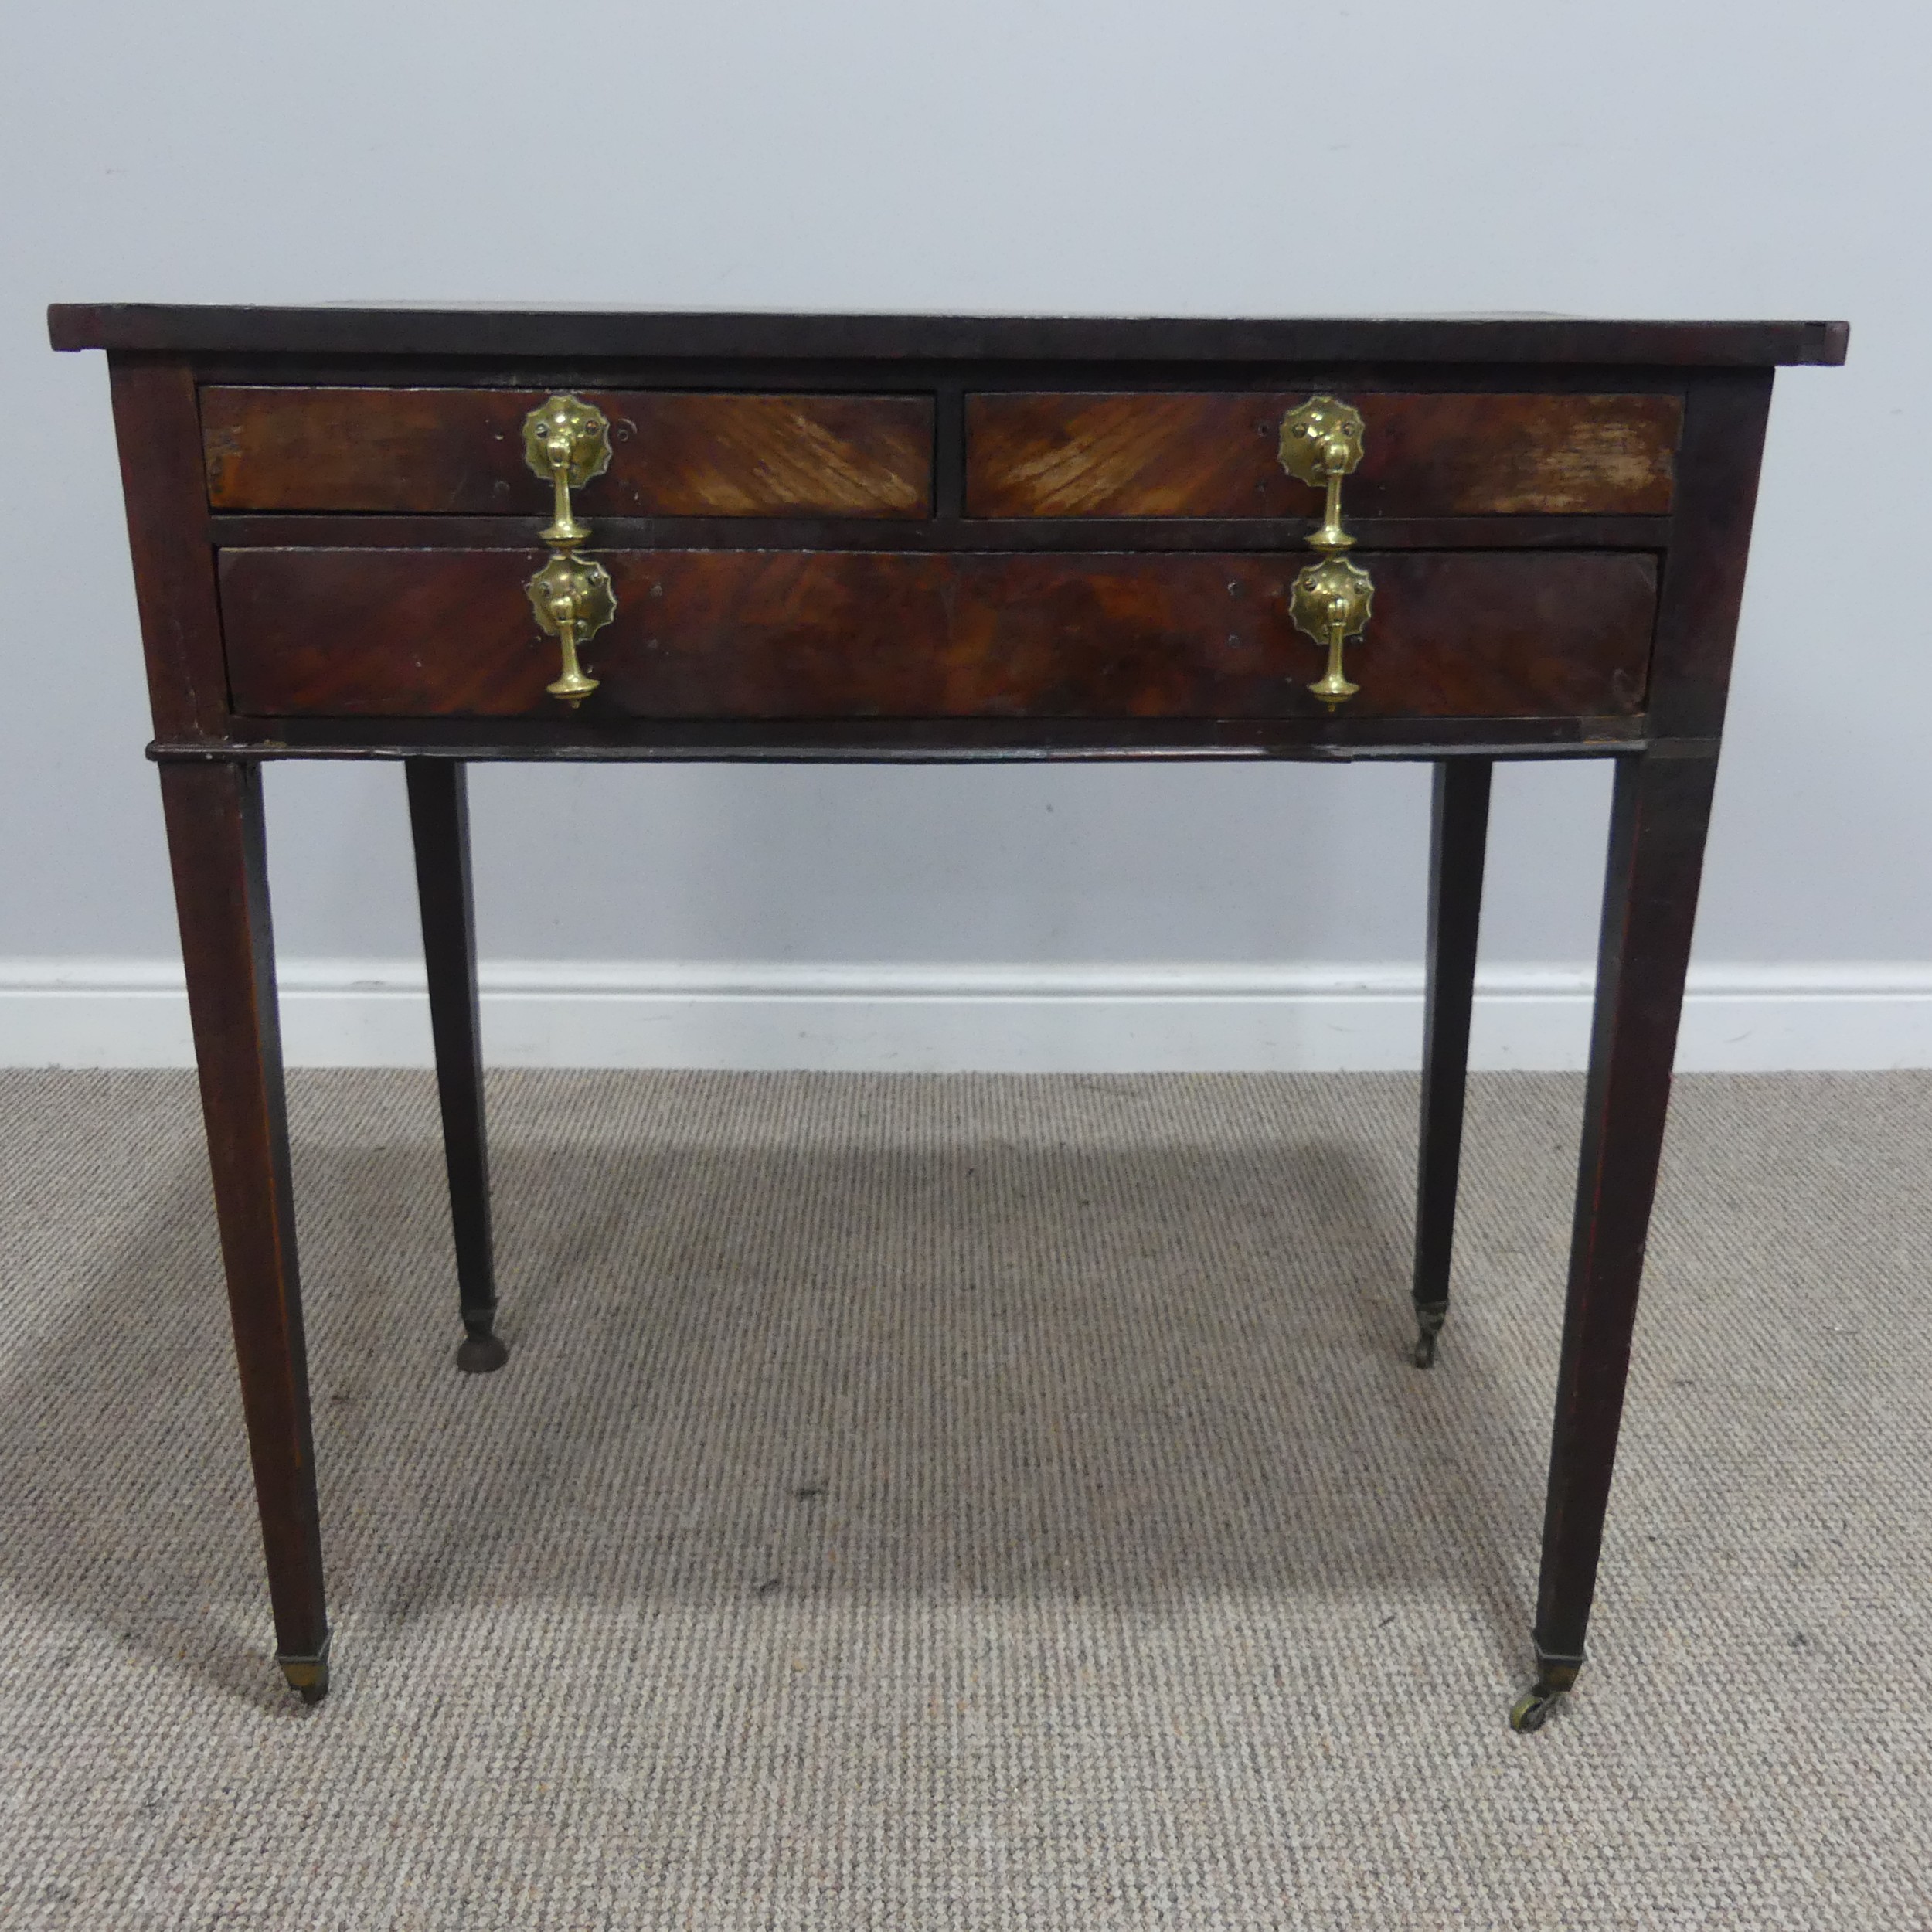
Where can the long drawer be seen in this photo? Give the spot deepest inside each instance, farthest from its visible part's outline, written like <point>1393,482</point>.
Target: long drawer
<point>751,634</point>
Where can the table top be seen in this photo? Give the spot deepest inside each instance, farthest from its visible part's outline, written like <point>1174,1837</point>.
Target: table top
<point>401,329</point>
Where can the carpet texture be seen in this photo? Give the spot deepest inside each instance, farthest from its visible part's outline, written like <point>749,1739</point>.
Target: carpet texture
<point>964,1503</point>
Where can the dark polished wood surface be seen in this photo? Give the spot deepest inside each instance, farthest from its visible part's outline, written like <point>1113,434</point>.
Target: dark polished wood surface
<point>157,428</point>
<point>724,633</point>
<point>213,813</point>
<point>461,450</point>
<point>1658,816</point>
<point>500,335</point>
<point>1216,455</point>
<point>440,829</point>
<point>1272,536</point>
<point>904,741</point>
<point>910,537</point>
<point>1458,840</point>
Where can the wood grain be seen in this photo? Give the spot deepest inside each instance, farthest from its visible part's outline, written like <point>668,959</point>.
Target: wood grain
<point>328,530</point>
<point>215,841</point>
<point>1659,813</point>
<point>432,451</point>
<point>1458,842</point>
<point>440,830</point>
<point>862,634</point>
<point>1703,587</point>
<point>578,335</point>
<point>1059,454</point>
<point>168,538</point>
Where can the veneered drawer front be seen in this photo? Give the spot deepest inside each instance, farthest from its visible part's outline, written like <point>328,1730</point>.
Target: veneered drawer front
<point>739,633</point>
<point>1216,455</point>
<point>672,453</point>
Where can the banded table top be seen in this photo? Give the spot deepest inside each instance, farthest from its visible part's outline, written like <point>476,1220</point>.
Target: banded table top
<point>455,330</point>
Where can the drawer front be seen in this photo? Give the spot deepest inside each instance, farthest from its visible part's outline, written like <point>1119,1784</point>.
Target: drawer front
<point>461,450</point>
<point>774,634</point>
<point>1216,455</point>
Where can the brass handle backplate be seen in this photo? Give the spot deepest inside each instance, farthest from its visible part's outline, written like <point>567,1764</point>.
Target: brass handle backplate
<point>1320,443</point>
<point>568,442</point>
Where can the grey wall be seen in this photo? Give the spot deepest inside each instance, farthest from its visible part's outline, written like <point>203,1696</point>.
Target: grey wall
<point>1654,158</point>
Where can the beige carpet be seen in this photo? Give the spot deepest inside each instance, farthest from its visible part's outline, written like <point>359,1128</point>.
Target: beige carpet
<point>966,1502</point>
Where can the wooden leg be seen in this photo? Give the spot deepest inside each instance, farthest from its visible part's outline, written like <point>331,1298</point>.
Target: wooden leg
<point>1658,822</point>
<point>439,823</point>
<point>214,817</point>
<point>1459,829</point>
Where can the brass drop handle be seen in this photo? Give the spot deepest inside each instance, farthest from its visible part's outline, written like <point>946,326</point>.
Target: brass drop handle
<point>1330,603</point>
<point>568,442</point>
<point>573,599</point>
<point>1322,443</point>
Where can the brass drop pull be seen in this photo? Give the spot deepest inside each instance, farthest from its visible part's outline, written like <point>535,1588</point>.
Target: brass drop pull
<point>573,599</point>
<point>1321,444</point>
<point>1331,603</point>
<point>569,442</point>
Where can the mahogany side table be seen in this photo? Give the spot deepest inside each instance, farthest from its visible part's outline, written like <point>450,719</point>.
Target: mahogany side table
<point>359,533</point>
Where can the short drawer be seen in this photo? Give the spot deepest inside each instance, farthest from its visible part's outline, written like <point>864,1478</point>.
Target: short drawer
<point>672,453</point>
<point>776,634</point>
<point>1151,455</point>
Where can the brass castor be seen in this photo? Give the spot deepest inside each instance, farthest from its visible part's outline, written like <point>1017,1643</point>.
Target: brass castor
<point>1555,1676</point>
<point>307,1676</point>
<point>1531,1711</point>
<point>481,1351</point>
<point>1430,1317</point>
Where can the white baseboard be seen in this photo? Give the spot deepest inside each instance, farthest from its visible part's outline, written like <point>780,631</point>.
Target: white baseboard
<point>925,1019</point>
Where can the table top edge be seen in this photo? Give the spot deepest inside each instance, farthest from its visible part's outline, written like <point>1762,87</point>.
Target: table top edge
<point>191,329</point>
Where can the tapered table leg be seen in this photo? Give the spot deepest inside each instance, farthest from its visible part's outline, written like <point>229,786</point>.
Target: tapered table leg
<point>440,824</point>
<point>214,817</point>
<point>1657,822</point>
<point>1459,829</point>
